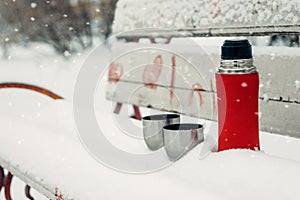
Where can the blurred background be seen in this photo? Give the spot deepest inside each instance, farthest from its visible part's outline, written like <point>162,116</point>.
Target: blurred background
<point>69,26</point>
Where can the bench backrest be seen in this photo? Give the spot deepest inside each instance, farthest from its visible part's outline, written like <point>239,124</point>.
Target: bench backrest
<point>180,78</point>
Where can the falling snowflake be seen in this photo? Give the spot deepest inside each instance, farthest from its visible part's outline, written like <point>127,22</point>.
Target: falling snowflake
<point>33,5</point>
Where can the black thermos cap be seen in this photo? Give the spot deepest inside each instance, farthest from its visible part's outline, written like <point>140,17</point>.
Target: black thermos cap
<point>236,49</point>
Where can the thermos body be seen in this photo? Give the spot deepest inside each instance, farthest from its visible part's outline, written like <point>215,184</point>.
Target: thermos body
<point>238,111</point>
<point>237,84</point>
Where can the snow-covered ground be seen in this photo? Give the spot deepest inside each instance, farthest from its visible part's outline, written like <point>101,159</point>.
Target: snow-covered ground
<point>39,140</point>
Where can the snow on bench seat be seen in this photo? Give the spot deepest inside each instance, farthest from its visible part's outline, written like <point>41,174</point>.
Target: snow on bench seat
<point>47,154</point>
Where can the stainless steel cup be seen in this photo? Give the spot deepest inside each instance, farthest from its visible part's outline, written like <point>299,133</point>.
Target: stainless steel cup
<point>153,128</point>
<point>181,138</point>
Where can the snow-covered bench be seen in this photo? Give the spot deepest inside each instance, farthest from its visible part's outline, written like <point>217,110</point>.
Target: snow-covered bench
<point>181,41</point>
<point>53,161</point>
<point>47,154</point>
<point>6,179</point>
<point>278,68</point>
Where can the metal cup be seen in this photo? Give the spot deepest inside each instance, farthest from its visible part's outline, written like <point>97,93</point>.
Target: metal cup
<point>181,138</point>
<point>153,129</point>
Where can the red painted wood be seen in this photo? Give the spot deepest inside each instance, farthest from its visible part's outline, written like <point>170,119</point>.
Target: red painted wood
<point>27,192</point>
<point>137,113</point>
<point>32,88</point>
<point>7,185</point>
<point>2,178</point>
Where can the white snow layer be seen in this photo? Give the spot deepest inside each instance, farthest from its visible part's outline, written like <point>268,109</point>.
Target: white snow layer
<point>170,14</point>
<point>39,139</point>
<point>50,153</point>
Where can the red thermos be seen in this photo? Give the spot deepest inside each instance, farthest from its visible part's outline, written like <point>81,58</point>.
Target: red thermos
<point>237,92</point>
